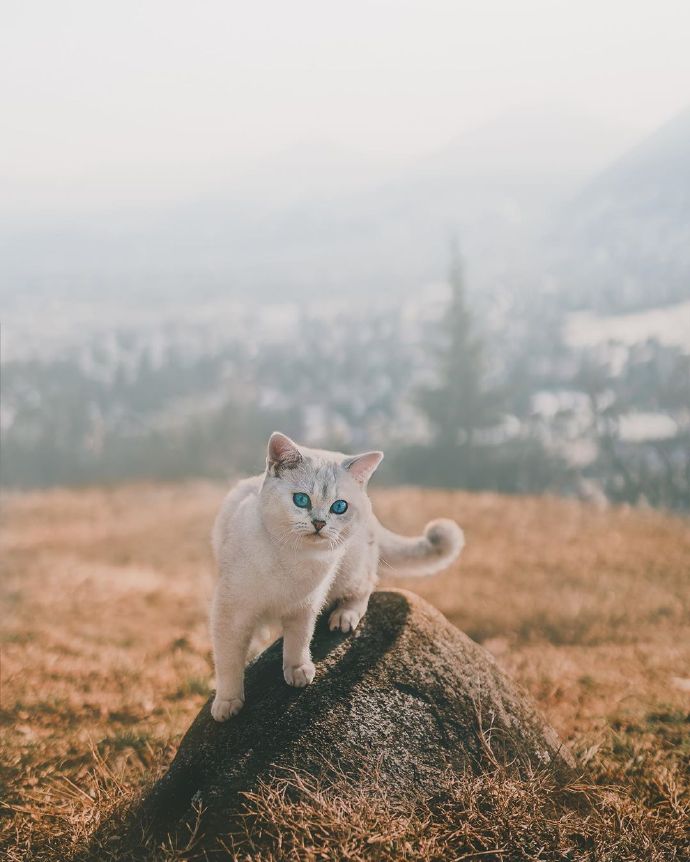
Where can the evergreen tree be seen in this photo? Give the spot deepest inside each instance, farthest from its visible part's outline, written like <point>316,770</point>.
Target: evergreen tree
<point>459,404</point>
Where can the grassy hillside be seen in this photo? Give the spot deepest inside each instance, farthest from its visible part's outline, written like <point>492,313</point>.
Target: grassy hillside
<point>106,659</point>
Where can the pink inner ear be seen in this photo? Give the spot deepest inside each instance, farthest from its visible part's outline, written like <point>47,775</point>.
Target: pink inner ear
<point>361,467</point>
<point>281,450</point>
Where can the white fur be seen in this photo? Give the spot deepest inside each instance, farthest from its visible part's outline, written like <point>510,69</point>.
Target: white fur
<point>275,568</point>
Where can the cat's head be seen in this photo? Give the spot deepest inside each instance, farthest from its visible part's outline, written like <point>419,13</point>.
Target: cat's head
<point>312,498</point>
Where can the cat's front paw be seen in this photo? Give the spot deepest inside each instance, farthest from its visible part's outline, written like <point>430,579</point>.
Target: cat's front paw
<point>344,620</point>
<point>299,675</point>
<point>222,710</point>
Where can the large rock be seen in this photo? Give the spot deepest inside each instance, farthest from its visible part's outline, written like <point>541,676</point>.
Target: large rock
<point>408,696</point>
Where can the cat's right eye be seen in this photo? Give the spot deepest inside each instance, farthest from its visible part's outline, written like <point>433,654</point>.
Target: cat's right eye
<point>300,500</point>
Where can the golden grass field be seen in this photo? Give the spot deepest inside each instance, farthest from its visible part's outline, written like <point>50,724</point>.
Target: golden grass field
<point>106,656</point>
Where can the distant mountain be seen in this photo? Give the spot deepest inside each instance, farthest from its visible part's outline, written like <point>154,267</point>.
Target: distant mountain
<point>318,222</point>
<point>624,242</point>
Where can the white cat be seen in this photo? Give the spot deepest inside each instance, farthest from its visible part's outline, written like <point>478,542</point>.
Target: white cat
<point>297,539</point>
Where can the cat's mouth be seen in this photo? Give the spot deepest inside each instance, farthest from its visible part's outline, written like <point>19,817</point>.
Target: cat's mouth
<point>317,536</point>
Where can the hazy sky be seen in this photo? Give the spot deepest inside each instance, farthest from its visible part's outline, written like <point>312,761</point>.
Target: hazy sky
<point>109,100</point>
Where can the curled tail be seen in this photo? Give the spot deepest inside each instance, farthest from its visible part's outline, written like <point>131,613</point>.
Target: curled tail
<point>422,555</point>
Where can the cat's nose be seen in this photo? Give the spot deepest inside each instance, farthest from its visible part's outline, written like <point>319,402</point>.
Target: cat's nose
<point>318,525</point>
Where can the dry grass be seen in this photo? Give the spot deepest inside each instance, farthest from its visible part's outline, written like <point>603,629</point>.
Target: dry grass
<point>105,661</point>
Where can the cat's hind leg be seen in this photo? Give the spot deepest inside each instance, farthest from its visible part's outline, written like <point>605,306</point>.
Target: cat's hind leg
<point>348,612</point>
<point>353,584</point>
<point>263,637</point>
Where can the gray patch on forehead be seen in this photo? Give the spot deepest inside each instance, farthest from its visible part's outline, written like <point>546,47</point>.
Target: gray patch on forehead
<point>324,480</point>
<point>329,479</point>
<point>313,478</point>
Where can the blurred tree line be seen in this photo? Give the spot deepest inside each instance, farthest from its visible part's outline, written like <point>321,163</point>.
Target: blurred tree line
<point>471,446</point>
<point>456,400</point>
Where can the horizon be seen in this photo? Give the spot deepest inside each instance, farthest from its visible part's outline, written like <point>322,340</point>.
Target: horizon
<point>150,302</point>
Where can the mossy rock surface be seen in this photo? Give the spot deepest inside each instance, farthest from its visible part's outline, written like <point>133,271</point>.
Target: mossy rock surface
<point>394,706</point>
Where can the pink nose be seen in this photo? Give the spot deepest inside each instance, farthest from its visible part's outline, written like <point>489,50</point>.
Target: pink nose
<point>318,525</point>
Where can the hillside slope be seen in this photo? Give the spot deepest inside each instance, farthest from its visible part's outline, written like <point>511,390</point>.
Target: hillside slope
<point>624,241</point>
<point>106,654</point>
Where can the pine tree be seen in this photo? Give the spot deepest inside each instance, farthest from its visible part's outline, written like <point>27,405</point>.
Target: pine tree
<point>459,404</point>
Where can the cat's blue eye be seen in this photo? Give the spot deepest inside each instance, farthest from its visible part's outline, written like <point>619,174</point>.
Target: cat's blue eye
<point>301,500</point>
<point>339,507</point>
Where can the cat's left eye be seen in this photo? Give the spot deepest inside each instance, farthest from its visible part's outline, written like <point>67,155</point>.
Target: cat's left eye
<point>339,507</point>
<point>300,500</point>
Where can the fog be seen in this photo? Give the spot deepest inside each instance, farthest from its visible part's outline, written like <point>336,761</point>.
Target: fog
<point>223,219</point>
<point>147,101</point>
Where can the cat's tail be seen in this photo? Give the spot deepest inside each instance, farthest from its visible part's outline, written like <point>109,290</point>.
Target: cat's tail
<point>427,554</point>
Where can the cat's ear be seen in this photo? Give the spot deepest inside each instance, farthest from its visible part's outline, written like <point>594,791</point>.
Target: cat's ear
<point>361,467</point>
<point>282,453</point>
